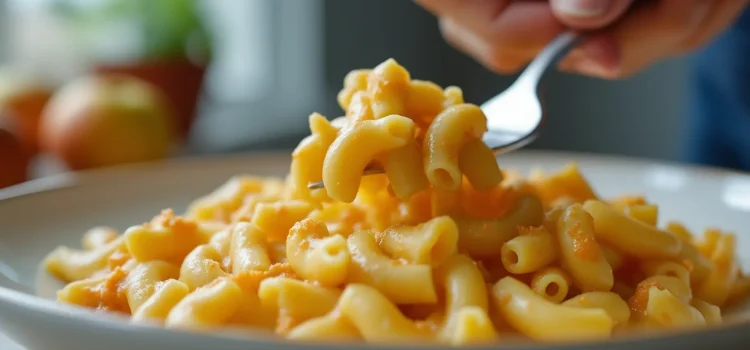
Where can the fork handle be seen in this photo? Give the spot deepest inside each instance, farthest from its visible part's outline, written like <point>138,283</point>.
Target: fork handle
<point>551,53</point>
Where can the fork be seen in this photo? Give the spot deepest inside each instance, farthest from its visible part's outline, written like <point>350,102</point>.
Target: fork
<point>516,116</point>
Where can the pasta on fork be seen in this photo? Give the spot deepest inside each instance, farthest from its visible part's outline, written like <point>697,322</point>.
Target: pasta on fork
<point>443,248</point>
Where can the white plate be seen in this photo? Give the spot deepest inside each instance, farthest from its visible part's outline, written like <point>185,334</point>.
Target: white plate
<point>38,216</point>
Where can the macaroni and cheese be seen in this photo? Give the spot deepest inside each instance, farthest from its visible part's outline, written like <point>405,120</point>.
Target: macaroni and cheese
<point>443,247</point>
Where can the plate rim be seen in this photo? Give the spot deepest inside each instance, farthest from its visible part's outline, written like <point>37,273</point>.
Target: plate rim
<point>80,178</point>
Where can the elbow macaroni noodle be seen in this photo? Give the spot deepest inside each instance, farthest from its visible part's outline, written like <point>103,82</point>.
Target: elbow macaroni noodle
<point>442,248</point>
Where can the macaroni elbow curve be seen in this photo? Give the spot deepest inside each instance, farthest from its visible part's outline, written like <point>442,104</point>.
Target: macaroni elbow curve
<point>444,139</point>
<point>356,147</point>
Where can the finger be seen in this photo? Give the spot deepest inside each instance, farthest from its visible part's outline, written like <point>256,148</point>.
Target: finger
<point>468,42</point>
<point>501,34</point>
<point>507,41</point>
<point>655,31</point>
<point>721,15</point>
<point>511,25</point>
<point>525,26</point>
<point>589,14</point>
<point>648,33</point>
<point>599,56</point>
<point>475,14</point>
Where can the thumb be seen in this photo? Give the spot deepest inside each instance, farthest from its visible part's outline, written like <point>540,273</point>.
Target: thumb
<point>589,14</point>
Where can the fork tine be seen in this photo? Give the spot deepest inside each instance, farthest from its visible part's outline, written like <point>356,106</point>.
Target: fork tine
<point>366,172</point>
<point>316,185</point>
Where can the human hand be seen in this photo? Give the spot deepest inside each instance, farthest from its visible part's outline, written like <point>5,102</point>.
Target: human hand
<point>504,35</point>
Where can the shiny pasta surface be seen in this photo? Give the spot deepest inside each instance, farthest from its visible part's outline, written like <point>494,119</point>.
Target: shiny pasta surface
<point>445,247</point>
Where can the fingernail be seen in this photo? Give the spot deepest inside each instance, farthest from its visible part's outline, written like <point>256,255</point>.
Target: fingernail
<point>581,8</point>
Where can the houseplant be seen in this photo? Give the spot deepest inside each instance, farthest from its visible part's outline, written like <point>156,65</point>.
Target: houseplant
<point>164,42</point>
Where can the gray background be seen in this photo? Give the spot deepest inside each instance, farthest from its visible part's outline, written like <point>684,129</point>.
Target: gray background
<point>279,60</point>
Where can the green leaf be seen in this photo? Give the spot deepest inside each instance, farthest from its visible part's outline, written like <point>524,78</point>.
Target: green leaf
<point>171,29</point>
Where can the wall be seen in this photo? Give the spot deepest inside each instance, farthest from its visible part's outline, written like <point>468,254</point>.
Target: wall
<point>3,29</point>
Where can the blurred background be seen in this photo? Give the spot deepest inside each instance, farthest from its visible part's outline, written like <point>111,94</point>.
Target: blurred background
<point>244,75</point>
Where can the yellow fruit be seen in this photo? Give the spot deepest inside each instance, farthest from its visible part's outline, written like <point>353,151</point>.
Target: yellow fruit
<point>100,121</point>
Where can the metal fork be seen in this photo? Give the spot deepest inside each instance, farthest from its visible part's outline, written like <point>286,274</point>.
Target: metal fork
<point>516,116</point>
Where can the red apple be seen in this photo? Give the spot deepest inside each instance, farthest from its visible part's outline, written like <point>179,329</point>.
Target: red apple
<point>100,121</point>
<point>14,159</point>
<point>24,98</point>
